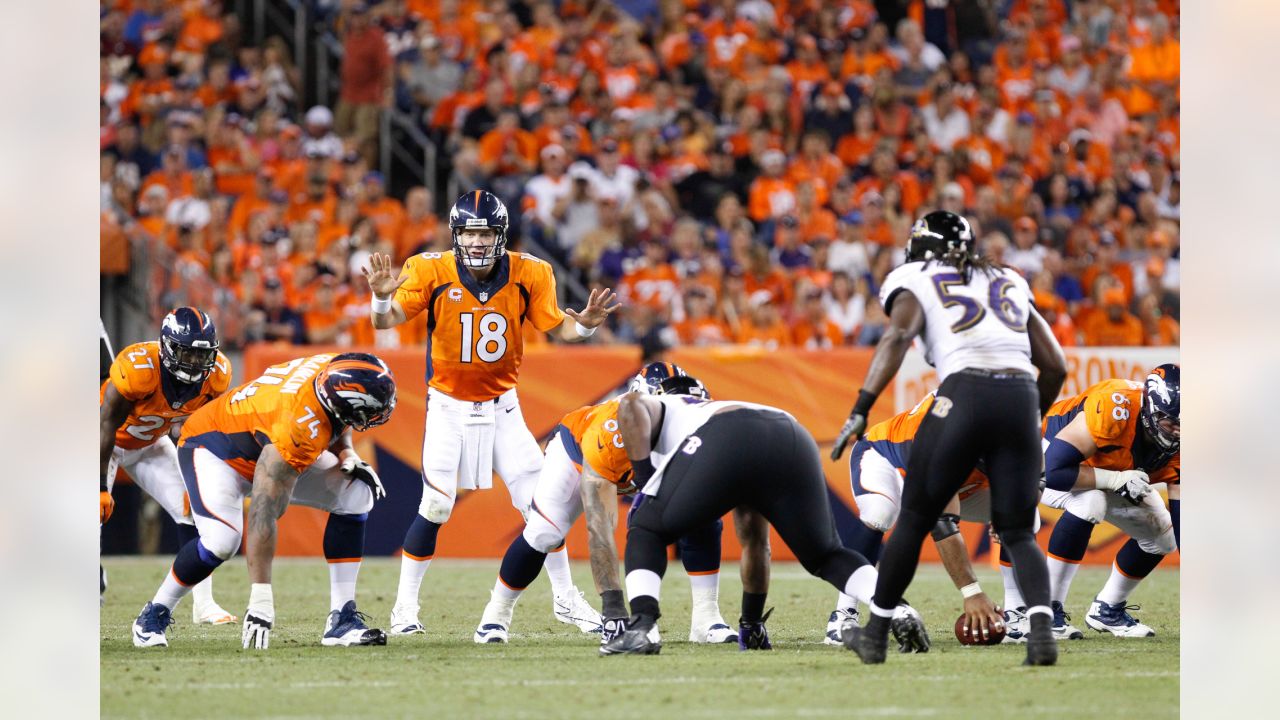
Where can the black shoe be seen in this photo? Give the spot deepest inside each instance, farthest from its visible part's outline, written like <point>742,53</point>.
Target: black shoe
<point>631,642</point>
<point>870,650</point>
<point>1042,646</point>
<point>908,629</point>
<point>754,635</point>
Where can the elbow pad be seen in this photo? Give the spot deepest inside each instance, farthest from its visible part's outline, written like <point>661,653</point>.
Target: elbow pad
<point>1061,465</point>
<point>948,525</point>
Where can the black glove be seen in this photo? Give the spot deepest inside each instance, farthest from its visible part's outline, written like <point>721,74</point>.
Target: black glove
<point>856,425</point>
<point>364,472</point>
<point>641,472</point>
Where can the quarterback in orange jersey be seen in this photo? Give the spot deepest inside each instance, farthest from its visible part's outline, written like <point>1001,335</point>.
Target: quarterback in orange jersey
<point>286,438</point>
<point>1104,449</point>
<point>877,467</point>
<point>476,297</point>
<point>586,468</point>
<point>153,387</point>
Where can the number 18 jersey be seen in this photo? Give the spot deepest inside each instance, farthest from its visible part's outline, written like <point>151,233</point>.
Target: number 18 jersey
<point>474,341</point>
<point>979,324</point>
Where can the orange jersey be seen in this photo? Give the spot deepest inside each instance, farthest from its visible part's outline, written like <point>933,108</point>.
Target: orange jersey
<point>475,344</point>
<point>280,408</point>
<point>591,437</point>
<point>892,439</point>
<point>136,375</point>
<point>1111,409</point>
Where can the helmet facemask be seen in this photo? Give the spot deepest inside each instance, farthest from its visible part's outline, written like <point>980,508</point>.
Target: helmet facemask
<point>187,363</point>
<point>492,252</point>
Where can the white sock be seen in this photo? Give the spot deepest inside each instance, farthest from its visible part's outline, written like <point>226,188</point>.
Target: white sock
<point>847,603</point>
<point>342,583</point>
<point>705,588</point>
<point>1060,576</point>
<point>202,593</point>
<point>504,592</point>
<point>411,572</point>
<point>1012,595</point>
<point>501,602</point>
<point>643,582</point>
<point>557,567</point>
<point>1118,588</point>
<point>861,585</point>
<point>171,591</point>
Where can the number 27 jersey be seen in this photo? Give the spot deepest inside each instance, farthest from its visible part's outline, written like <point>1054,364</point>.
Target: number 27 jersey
<point>981,323</point>
<point>474,343</point>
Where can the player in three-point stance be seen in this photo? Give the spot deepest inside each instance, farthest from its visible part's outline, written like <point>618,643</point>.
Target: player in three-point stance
<point>877,464</point>
<point>153,387</point>
<point>697,460</point>
<point>585,469</point>
<point>986,340</point>
<point>282,438</point>
<point>1103,450</point>
<point>477,296</point>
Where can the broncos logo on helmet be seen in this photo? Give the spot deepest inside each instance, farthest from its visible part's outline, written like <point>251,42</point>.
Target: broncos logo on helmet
<point>479,210</point>
<point>665,378</point>
<point>357,389</point>
<point>1161,406</point>
<point>188,344</point>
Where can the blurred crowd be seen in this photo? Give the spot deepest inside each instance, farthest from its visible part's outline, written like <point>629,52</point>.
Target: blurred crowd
<point>742,171</point>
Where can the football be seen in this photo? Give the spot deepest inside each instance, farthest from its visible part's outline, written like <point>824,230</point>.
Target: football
<point>993,637</point>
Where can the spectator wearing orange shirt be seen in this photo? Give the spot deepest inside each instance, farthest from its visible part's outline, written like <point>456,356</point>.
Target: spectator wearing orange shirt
<point>816,164</point>
<point>1113,325</point>
<point>815,221</point>
<point>652,282</point>
<point>808,69</point>
<point>325,321</point>
<point>815,331</point>
<point>317,204</point>
<point>419,224</point>
<point>763,275</point>
<point>173,173</point>
<point>876,227</point>
<point>386,212</point>
<point>508,150</point>
<point>1160,329</point>
<point>764,326</point>
<point>855,148</point>
<point>1154,66</point>
<point>885,172</point>
<point>1106,262</point>
<point>366,81</point>
<point>201,29</point>
<point>700,327</point>
<point>771,195</point>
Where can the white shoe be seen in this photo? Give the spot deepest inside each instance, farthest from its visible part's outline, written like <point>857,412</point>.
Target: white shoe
<point>404,621</point>
<point>1062,627</point>
<point>1016,626</point>
<point>211,615</point>
<point>1115,619</point>
<point>150,626</point>
<point>573,609</point>
<point>711,631</point>
<point>838,618</point>
<point>494,623</point>
<point>653,635</point>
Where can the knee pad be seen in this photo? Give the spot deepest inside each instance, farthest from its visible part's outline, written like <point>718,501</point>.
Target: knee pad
<point>222,544</point>
<point>1090,505</point>
<point>948,525</point>
<point>1162,544</point>
<point>435,506</point>
<point>542,535</point>
<point>877,512</point>
<point>357,499</point>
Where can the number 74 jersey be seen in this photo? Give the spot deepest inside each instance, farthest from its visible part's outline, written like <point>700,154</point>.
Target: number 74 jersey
<point>474,341</point>
<point>981,323</point>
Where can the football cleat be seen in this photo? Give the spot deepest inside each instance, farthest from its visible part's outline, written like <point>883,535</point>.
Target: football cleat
<point>404,621</point>
<point>838,618</point>
<point>635,641</point>
<point>346,627</point>
<point>1062,627</point>
<point>573,609</point>
<point>211,615</point>
<point>711,629</point>
<point>908,629</point>
<point>870,650</point>
<point>494,622</point>
<point>1115,619</point>
<point>149,628</point>
<point>490,634</point>
<point>1042,645</point>
<point>754,635</point>
<point>1015,626</point>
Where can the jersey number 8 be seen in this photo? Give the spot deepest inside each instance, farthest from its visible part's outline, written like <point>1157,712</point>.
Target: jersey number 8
<point>492,343</point>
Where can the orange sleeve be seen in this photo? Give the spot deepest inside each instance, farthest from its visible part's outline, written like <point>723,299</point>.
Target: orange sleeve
<point>1106,419</point>
<point>414,295</point>
<point>220,379</point>
<point>301,433</point>
<point>544,312</point>
<point>135,373</point>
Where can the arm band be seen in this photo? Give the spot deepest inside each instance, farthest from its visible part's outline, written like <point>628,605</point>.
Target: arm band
<point>864,403</point>
<point>380,306</point>
<point>583,330</point>
<point>643,470</point>
<point>948,525</point>
<point>970,590</point>
<point>1061,465</point>
<point>102,483</point>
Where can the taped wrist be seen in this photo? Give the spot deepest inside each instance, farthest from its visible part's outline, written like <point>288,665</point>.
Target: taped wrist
<point>864,403</point>
<point>948,525</point>
<point>612,605</point>
<point>1061,465</point>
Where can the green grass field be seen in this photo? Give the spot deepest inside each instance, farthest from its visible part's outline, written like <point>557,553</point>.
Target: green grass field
<point>550,670</point>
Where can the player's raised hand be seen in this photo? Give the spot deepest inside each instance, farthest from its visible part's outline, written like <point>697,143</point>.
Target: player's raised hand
<point>852,430</point>
<point>383,276</point>
<point>600,305</point>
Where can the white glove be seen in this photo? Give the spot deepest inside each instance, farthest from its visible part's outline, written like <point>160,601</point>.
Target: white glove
<point>1132,485</point>
<point>258,619</point>
<point>360,470</point>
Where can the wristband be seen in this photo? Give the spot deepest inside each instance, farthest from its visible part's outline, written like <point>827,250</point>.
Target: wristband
<point>380,306</point>
<point>864,403</point>
<point>261,600</point>
<point>642,470</point>
<point>583,330</point>
<point>102,482</point>
<point>970,590</point>
<point>612,605</point>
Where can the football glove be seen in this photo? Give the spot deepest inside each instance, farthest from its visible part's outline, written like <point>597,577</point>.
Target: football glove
<point>360,470</point>
<point>754,635</point>
<point>256,633</point>
<point>852,430</point>
<point>612,628</point>
<point>1132,485</point>
<point>106,506</point>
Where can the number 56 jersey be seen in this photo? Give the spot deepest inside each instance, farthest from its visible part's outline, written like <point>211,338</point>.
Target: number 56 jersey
<point>981,323</point>
<point>474,340</point>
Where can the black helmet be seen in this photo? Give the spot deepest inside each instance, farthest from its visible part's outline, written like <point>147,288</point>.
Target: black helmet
<point>479,209</point>
<point>937,234</point>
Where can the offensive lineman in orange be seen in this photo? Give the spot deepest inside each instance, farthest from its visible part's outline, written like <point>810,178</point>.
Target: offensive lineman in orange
<point>284,437</point>
<point>152,387</point>
<point>476,297</point>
